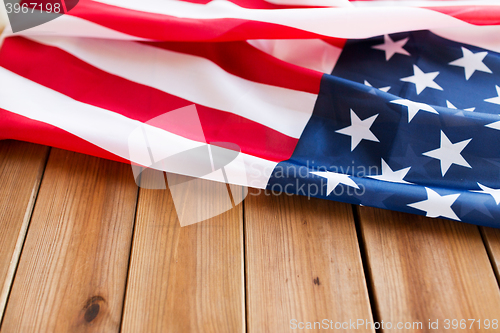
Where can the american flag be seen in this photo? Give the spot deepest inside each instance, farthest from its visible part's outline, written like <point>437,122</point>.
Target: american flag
<point>388,104</point>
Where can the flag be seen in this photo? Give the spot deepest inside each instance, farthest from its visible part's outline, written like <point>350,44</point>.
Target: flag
<point>386,104</point>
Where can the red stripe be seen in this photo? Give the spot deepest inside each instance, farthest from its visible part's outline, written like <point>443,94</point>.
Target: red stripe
<point>338,42</point>
<point>170,28</point>
<point>62,72</point>
<point>244,60</point>
<point>477,15</point>
<point>203,2</point>
<point>256,4</point>
<point>65,10</point>
<point>16,127</point>
<point>250,4</point>
<point>261,4</point>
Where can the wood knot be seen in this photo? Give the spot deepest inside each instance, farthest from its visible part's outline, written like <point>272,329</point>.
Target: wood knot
<point>92,308</point>
<point>316,281</point>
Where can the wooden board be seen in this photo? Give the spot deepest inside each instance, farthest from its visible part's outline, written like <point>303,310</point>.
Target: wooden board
<point>303,263</point>
<point>21,169</point>
<point>187,279</point>
<point>492,241</point>
<point>73,268</point>
<point>424,269</point>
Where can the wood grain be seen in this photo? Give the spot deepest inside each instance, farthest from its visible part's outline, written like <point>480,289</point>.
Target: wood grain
<point>187,279</point>
<point>425,269</point>
<point>21,169</point>
<point>302,262</point>
<point>73,268</point>
<point>491,238</point>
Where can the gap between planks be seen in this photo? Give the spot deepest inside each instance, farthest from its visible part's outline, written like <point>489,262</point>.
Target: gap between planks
<point>72,271</point>
<point>390,228</point>
<point>491,239</point>
<point>21,170</point>
<point>302,262</point>
<point>366,267</point>
<point>185,279</point>
<point>422,268</point>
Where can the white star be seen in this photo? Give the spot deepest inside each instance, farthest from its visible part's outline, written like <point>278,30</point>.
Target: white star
<point>333,179</point>
<point>414,107</point>
<point>449,153</point>
<point>495,193</point>
<point>495,125</point>
<point>437,205</point>
<point>359,130</point>
<point>471,62</point>
<point>384,89</point>
<point>422,80</point>
<point>391,47</point>
<point>392,176</point>
<point>494,100</point>
<point>451,106</point>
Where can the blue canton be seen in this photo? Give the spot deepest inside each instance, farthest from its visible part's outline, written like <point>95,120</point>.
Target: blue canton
<point>407,122</point>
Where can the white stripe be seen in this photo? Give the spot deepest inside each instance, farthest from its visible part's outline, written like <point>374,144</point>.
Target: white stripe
<point>109,130</point>
<point>314,54</point>
<point>361,22</point>
<point>486,37</point>
<point>195,79</point>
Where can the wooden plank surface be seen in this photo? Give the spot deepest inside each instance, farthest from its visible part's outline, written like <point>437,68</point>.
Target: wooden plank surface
<point>187,279</point>
<point>303,263</point>
<point>425,269</point>
<point>302,258</point>
<point>21,169</point>
<point>491,238</point>
<point>73,268</point>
